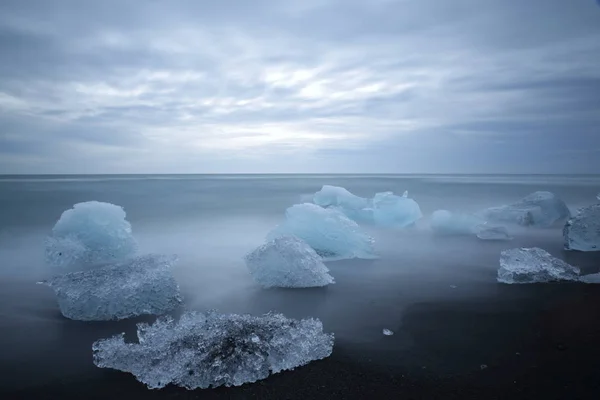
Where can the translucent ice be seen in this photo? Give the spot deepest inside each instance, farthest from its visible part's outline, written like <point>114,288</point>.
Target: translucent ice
<point>90,233</point>
<point>582,232</point>
<point>354,207</point>
<point>395,211</point>
<point>485,232</point>
<point>445,222</point>
<point>211,350</point>
<point>329,232</point>
<point>142,285</point>
<point>287,262</point>
<point>533,265</point>
<point>541,209</point>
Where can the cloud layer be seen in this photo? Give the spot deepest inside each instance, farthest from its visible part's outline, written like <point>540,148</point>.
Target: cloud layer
<point>286,86</point>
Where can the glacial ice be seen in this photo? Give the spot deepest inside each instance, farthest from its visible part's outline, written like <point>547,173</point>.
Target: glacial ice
<point>533,265</point>
<point>287,262</point>
<point>390,210</point>
<point>591,278</point>
<point>485,232</point>
<point>541,209</point>
<point>582,232</point>
<point>338,198</point>
<point>90,234</point>
<point>211,350</point>
<point>329,232</point>
<point>142,285</point>
<point>447,223</point>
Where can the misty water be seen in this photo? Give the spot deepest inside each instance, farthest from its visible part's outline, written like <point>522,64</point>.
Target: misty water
<point>212,221</point>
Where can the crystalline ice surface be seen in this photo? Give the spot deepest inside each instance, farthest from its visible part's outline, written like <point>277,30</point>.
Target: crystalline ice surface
<point>354,207</point>
<point>541,209</point>
<point>485,232</point>
<point>142,285</point>
<point>390,210</point>
<point>287,262</point>
<point>89,234</point>
<point>211,350</point>
<point>582,232</point>
<point>329,232</point>
<point>447,223</point>
<point>533,265</point>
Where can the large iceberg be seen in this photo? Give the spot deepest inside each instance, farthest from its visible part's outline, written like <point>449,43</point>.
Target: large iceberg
<point>582,232</point>
<point>329,232</point>
<point>390,210</point>
<point>211,350</point>
<point>287,262</point>
<point>142,285</point>
<point>541,209</point>
<point>90,234</point>
<point>447,223</point>
<point>534,265</point>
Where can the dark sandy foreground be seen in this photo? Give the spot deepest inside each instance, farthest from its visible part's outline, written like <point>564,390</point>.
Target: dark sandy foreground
<point>540,346</point>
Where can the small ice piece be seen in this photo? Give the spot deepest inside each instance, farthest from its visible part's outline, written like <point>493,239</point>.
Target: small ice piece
<point>485,232</point>
<point>591,278</point>
<point>390,210</point>
<point>90,234</point>
<point>446,223</point>
<point>387,332</point>
<point>211,350</point>
<point>541,209</point>
<point>329,232</point>
<point>287,262</point>
<point>354,207</point>
<point>533,265</point>
<point>453,286</point>
<point>405,194</point>
<point>598,196</point>
<point>142,285</point>
<point>582,232</point>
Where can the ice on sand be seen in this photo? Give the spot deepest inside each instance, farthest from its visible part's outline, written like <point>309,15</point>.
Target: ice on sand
<point>541,209</point>
<point>211,350</point>
<point>485,232</point>
<point>582,232</point>
<point>142,285</point>
<point>329,232</point>
<point>91,233</point>
<point>287,262</point>
<point>533,265</point>
<point>390,210</point>
<point>447,223</point>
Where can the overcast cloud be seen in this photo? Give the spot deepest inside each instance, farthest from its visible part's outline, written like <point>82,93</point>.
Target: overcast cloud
<point>396,86</point>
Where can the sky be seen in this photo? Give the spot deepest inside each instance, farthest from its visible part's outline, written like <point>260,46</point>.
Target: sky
<point>291,86</point>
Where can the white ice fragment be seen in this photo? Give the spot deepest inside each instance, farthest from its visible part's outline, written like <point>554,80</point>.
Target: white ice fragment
<point>598,196</point>
<point>390,210</point>
<point>142,285</point>
<point>354,207</point>
<point>533,265</point>
<point>329,232</point>
<point>90,234</point>
<point>485,232</point>
<point>447,223</point>
<point>541,209</point>
<point>405,194</point>
<point>211,350</point>
<point>287,262</point>
<point>387,332</point>
<point>582,232</point>
<point>591,278</point>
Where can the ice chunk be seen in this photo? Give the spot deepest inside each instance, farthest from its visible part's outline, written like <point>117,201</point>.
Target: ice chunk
<point>387,332</point>
<point>329,232</point>
<point>142,285</point>
<point>354,207</point>
<point>533,265</point>
<point>91,233</point>
<point>390,210</point>
<point>582,232</point>
<point>287,262</point>
<point>445,222</point>
<point>211,350</point>
<point>485,232</point>
<point>592,278</point>
<point>541,209</point>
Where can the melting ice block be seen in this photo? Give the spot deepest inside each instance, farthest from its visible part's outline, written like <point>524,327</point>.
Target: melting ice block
<point>582,232</point>
<point>395,211</point>
<point>211,350</point>
<point>287,262</point>
<point>142,285</point>
<point>89,234</point>
<point>533,265</point>
<point>354,207</point>
<point>541,209</point>
<point>445,222</point>
<point>329,232</point>
<point>485,232</point>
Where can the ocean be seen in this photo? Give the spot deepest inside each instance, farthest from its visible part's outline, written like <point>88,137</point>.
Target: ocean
<point>454,326</point>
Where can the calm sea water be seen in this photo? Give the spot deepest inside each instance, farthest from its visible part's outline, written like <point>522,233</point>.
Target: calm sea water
<point>211,221</point>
